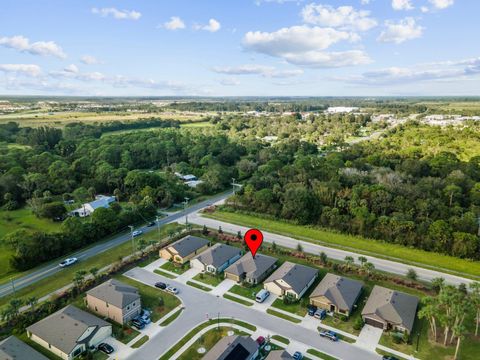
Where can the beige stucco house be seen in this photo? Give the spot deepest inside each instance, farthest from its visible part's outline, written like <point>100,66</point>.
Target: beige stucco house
<point>14,349</point>
<point>69,332</point>
<point>115,300</point>
<point>291,280</point>
<point>251,269</point>
<point>184,249</point>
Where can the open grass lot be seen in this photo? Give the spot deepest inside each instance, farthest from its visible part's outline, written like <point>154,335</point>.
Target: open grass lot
<point>355,243</point>
<point>199,124</point>
<point>151,298</point>
<point>248,292</point>
<point>65,277</point>
<point>16,220</point>
<point>175,268</point>
<point>296,308</point>
<point>209,279</point>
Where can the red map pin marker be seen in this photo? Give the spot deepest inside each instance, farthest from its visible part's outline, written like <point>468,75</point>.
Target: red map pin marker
<point>253,239</point>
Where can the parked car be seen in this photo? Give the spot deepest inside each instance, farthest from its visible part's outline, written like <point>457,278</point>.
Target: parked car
<point>311,309</point>
<point>389,357</point>
<point>137,324</point>
<point>260,340</point>
<point>320,314</point>
<point>262,295</point>
<point>145,317</point>
<point>106,348</point>
<point>297,355</point>
<point>161,285</point>
<point>68,262</point>
<point>172,290</point>
<point>137,233</point>
<point>330,335</point>
<point>151,224</point>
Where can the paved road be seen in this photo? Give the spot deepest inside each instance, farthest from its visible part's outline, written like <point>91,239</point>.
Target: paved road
<point>49,270</point>
<point>199,303</point>
<point>288,242</point>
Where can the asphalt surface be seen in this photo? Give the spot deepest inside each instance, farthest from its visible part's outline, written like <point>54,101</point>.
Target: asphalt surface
<point>199,304</point>
<point>51,269</point>
<point>337,254</point>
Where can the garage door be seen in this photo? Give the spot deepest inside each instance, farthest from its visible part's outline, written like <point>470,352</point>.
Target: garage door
<point>373,322</point>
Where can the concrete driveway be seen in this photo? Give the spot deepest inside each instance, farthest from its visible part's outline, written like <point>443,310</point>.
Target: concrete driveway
<point>369,337</point>
<point>223,287</point>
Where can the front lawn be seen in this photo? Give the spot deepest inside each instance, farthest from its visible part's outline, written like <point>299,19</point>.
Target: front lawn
<point>124,333</point>
<point>175,268</point>
<point>296,308</point>
<point>245,291</point>
<point>156,300</point>
<point>209,279</point>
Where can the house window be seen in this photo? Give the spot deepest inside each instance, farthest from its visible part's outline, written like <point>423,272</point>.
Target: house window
<point>77,352</point>
<point>128,307</point>
<point>133,304</point>
<point>96,308</point>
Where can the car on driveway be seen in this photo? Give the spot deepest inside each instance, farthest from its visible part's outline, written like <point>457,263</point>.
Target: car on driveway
<point>145,317</point>
<point>137,233</point>
<point>137,324</point>
<point>389,357</point>
<point>106,348</point>
<point>330,335</point>
<point>311,310</point>
<point>161,285</point>
<point>320,314</point>
<point>172,290</point>
<point>297,355</point>
<point>260,341</point>
<point>68,262</point>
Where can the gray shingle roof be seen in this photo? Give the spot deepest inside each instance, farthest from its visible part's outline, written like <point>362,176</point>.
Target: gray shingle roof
<point>232,347</point>
<point>218,254</point>
<point>279,355</point>
<point>392,306</point>
<point>63,328</point>
<point>295,275</point>
<point>14,349</point>
<point>188,245</point>
<point>115,292</point>
<point>342,292</point>
<point>253,268</point>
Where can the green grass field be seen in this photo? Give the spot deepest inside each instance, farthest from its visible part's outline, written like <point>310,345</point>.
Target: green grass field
<point>358,244</point>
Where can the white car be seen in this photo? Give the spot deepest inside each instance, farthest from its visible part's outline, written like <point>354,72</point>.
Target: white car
<point>68,262</point>
<point>172,290</point>
<point>137,233</point>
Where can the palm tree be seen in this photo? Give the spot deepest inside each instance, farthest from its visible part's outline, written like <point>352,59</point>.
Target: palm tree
<point>299,247</point>
<point>323,258</point>
<point>79,277</point>
<point>429,310</point>
<point>349,261</point>
<point>369,267</point>
<point>362,260</point>
<point>437,284</point>
<point>475,299</point>
<point>32,301</point>
<point>458,332</point>
<point>93,271</point>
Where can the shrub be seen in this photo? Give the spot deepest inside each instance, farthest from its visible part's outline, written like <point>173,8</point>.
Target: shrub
<point>358,324</point>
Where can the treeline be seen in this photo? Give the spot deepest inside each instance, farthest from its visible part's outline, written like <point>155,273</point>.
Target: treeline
<point>32,248</point>
<point>429,202</point>
<point>242,106</point>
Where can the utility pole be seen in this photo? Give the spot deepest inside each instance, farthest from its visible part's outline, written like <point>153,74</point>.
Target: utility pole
<point>133,240</point>
<point>13,288</point>
<point>158,227</point>
<point>185,203</point>
<point>235,185</point>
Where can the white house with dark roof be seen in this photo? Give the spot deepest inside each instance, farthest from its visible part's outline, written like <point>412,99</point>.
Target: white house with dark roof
<point>69,332</point>
<point>87,209</point>
<point>291,280</point>
<point>216,258</point>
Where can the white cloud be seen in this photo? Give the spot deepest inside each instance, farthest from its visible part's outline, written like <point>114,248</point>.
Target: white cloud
<point>254,69</point>
<point>364,2</point>
<point>212,26</point>
<point>424,9</point>
<point>117,14</point>
<point>21,69</point>
<point>89,60</point>
<point>305,45</point>
<point>402,5</point>
<point>71,68</point>
<point>441,4</point>
<point>229,82</point>
<point>399,32</point>
<point>42,48</point>
<point>175,23</point>
<point>345,17</point>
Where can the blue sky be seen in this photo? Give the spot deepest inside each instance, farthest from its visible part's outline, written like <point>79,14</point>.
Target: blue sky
<point>240,47</point>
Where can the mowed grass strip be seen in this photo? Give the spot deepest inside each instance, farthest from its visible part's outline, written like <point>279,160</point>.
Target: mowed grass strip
<point>163,273</point>
<point>172,318</point>
<point>283,316</point>
<point>280,338</point>
<point>240,301</point>
<point>321,355</point>
<point>198,286</point>
<point>140,342</point>
<point>354,243</point>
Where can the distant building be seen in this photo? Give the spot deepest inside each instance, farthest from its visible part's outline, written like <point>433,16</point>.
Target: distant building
<point>233,348</point>
<point>69,332</point>
<point>14,349</point>
<point>388,309</point>
<point>87,209</point>
<point>184,249</point>
<point>115,300</point>
<point>291,280</point>
<point>340,109</point>
<point>336,293</point>
<point>251,270</point>
<point>216,258</point>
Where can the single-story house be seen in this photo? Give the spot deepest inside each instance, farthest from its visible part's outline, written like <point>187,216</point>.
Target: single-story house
<point>251,269</point>
<point>87,209</point>
<point>336,293</point>
<point>388,309</point>
<point>233,348</point>
<point>291,280</point>
<point>69,332</point>
<point>184,249</point>
<point>216,258</point>
<point>12,348</point>
<point>279,355</point>
<point>115,300</point>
